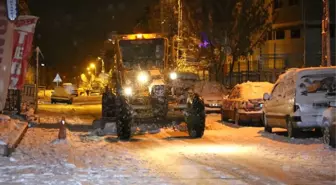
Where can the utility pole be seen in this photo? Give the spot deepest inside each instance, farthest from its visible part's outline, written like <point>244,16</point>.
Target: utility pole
<point>37,78</point>
<point>325,35</point>
<point>38,52</point>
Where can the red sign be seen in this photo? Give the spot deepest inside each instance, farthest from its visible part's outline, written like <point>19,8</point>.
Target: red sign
<point>6,45</point>
<point>23,39</point>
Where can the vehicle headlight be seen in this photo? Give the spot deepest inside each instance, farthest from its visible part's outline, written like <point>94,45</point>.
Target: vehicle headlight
<point>143,78</point>
<point>128,91</point>
<point>173,75</point>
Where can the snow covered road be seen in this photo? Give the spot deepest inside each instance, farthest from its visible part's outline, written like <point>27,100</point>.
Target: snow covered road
<point>225,155</point>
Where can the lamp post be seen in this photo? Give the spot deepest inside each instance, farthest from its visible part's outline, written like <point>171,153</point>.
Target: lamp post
<point>103,64</point>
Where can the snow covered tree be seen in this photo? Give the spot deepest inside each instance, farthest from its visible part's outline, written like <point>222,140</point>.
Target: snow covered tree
<point>242,23</point>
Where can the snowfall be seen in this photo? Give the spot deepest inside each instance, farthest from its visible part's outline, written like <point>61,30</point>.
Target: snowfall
<point>227,154</point>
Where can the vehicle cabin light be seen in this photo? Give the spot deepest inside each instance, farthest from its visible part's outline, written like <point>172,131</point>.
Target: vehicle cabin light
<point>143,78</point>
<point>128,91</point>
<point>173,76</point>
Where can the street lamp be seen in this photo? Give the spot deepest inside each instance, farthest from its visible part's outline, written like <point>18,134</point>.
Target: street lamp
<point>94,67</point>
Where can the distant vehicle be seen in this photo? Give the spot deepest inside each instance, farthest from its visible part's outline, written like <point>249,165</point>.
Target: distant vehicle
<point>329,124</point>
<point>60,95</point>
<point>298,99</point>
<point>245,102</point>
<point>212,93</point>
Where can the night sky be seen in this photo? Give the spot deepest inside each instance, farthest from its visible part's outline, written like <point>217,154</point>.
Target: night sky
<point>70,32</point>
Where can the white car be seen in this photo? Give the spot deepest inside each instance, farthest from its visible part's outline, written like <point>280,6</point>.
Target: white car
<point>298,99</point>
<point>60,95</point>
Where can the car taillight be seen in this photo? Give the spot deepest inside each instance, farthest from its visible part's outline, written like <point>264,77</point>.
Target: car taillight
<point>247,105</point>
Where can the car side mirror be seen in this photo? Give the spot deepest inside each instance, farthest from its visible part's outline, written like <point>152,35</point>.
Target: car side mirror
<point>266,96</point>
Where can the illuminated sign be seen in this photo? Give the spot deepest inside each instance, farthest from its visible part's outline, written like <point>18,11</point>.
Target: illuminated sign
<point>12,9</point>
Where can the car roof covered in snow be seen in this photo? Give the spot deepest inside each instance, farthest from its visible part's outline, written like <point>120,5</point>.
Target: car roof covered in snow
<point>295,71</point>
<point>255,90</point>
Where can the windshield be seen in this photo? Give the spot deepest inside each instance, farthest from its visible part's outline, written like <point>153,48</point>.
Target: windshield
<point>213,88</point>
<point>256,91</point>
<point>144,53</point>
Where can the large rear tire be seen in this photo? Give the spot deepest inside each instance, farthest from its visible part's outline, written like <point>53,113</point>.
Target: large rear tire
<point>124,119</point>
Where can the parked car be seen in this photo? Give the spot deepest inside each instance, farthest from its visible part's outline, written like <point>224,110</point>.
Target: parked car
<point>245,102</point>
<point>212,93</point>
<point>298,99</point>
<point>60,95</point>
<point>329,124</point>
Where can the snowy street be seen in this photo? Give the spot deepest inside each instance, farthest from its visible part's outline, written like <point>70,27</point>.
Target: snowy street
<point>225,155</point>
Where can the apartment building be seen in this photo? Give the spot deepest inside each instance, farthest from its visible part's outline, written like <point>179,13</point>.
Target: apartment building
<point>295,39</point>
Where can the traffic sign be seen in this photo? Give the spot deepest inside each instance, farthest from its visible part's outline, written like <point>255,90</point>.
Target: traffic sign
<point>57,79</point>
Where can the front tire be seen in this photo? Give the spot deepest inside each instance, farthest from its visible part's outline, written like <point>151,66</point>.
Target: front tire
<point>291,130</point>
<point>223,118</point>
<point>236,117</point>
<point>196,126</point>
<point>267,128</point>
<point>124,130</point>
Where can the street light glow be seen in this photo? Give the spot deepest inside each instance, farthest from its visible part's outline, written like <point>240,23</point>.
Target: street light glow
<point>88,69</point>
<point>92,65</point>
<point>99,58</point>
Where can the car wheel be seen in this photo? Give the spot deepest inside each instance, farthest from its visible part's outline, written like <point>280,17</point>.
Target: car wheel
<point>291,131</point>
<point>327,139</point>
<point>267,128</point>
<point>223,118</point>
<point>236,117</point>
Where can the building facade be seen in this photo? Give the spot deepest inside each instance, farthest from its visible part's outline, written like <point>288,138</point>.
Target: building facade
<point>295,39</point>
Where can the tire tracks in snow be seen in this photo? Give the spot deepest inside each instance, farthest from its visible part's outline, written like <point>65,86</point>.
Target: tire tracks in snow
<point>230,173</point>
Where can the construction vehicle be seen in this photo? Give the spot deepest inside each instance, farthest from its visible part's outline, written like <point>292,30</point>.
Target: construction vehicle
<point>138,92</point>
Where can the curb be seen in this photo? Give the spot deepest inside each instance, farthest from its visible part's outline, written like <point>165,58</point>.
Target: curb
<point>15,138</point>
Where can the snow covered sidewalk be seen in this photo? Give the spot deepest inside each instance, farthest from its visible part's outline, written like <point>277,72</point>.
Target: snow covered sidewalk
<point>39,160</point>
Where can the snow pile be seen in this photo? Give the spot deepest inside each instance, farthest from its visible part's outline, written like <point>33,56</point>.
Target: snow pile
<point>38,160</point>
<point>8,126</point>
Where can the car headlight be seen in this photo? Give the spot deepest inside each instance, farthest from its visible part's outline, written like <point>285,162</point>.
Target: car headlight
<point>173,75</point>
<point>143,78</point>
<point>128,91</point>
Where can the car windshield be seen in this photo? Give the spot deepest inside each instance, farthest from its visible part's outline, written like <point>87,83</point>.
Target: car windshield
<point>212,88</point>
<point>143,53</point>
